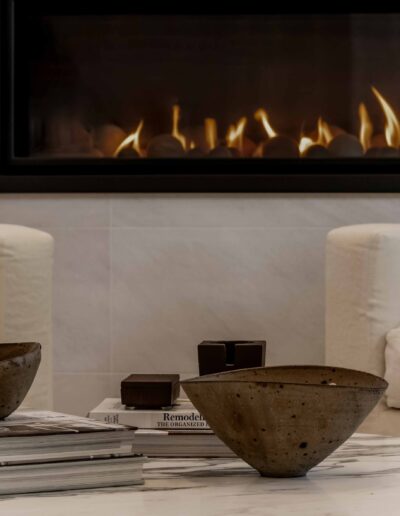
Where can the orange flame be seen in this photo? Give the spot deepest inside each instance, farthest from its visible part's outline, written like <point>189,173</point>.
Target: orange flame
<point>176,112</point>
<point>133,139</point>
<point>210,128</point>
<point>261,116</point>
<point>324,137</point>
<point>324,132</point>
<point>392,126</point>
<point>366,127</point>
<point>234,137</point>
<point>305,143</point>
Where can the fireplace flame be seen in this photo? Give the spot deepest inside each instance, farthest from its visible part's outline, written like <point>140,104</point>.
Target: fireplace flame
<point>324,132</point>
<point>133,139</point>
<point>324,137</point>
<point>392,126</point>
<point>211,132</point>
<point>176,113</point>
<point>366,127</point>
<point>305,143</point>
<point>261,116</point>
<point>234,137</point>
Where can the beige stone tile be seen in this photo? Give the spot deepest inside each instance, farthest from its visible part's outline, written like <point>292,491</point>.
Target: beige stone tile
<point>79,393</point>
<point>81,313</point>
<point>173,288</point>
<point>253,210</point>
<point>55,210</point>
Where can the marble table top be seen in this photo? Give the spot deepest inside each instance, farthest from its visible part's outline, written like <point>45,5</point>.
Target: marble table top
<point>361,478</point>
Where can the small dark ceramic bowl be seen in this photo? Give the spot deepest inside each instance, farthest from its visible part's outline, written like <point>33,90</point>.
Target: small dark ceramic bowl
<point>285,420</point>
<point>18,367</point>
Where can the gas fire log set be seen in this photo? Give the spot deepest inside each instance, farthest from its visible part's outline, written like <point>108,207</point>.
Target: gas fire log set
<point>327,141</point>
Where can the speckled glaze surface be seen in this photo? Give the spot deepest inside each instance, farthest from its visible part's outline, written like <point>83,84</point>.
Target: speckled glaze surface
<point>285,420</point>
<point>19,363</point>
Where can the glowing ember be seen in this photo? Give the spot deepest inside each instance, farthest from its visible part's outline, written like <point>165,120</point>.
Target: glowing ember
<point>234,137</point>
<point>366,127</point>
<point>176,113</point>
<point>262,116</point>
<point>210,128</point>
<point>133,139</point>
<point>392,126</point>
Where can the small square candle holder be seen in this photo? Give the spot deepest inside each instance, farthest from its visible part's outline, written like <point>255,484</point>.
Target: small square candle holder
<point>150,391</point>
<point>227,355</point>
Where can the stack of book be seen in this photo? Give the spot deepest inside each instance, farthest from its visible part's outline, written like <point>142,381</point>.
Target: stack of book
<point>178,431</point>
<point>48,451</point>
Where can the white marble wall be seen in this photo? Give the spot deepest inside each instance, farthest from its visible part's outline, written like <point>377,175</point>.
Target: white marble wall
<point>141,279</point>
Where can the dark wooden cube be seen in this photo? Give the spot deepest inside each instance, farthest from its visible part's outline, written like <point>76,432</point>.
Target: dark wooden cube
<point>150,391</point>
<point>228,355</point>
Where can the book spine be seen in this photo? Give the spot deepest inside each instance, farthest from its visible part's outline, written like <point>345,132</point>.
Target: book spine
<point>160,421</point>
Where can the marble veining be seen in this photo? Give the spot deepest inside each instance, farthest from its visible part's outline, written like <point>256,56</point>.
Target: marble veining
<point>361,478</point>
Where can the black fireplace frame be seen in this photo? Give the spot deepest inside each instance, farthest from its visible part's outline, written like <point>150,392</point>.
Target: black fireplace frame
<point>172,175</point>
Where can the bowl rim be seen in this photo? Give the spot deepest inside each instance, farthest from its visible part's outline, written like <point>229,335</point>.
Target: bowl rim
<point>33,347</point>
<point>213,378</point>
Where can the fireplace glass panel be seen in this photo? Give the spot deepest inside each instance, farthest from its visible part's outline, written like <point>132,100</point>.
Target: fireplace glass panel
<point>231,86</point>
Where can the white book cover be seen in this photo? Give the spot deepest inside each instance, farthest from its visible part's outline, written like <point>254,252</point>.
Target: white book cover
<point>35,436</point>
<point>73,474</point>
<point>28,423</point>
<point>182,416</point>
<point>160,443</point>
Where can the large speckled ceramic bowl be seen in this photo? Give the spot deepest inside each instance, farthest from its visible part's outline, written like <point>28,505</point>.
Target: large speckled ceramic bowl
<point>18,366</point>
<point>285,420</point>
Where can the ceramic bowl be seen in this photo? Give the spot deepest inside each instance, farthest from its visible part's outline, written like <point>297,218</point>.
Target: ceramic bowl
<point>285,420</point>
<point>18,367</point>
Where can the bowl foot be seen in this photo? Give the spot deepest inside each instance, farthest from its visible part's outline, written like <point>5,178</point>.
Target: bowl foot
<point>283,475</point>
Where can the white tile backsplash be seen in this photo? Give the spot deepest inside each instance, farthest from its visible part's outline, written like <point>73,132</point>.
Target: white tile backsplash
<point>140,280</point>
<point>77,393</point>
<point>174,287</point>
<point>253,210</point>
<point>81,308</point>
<point>55,211</point>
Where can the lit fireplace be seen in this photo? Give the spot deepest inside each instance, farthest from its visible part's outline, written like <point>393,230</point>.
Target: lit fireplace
<point>324,142</point>
<point>240,102</point>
